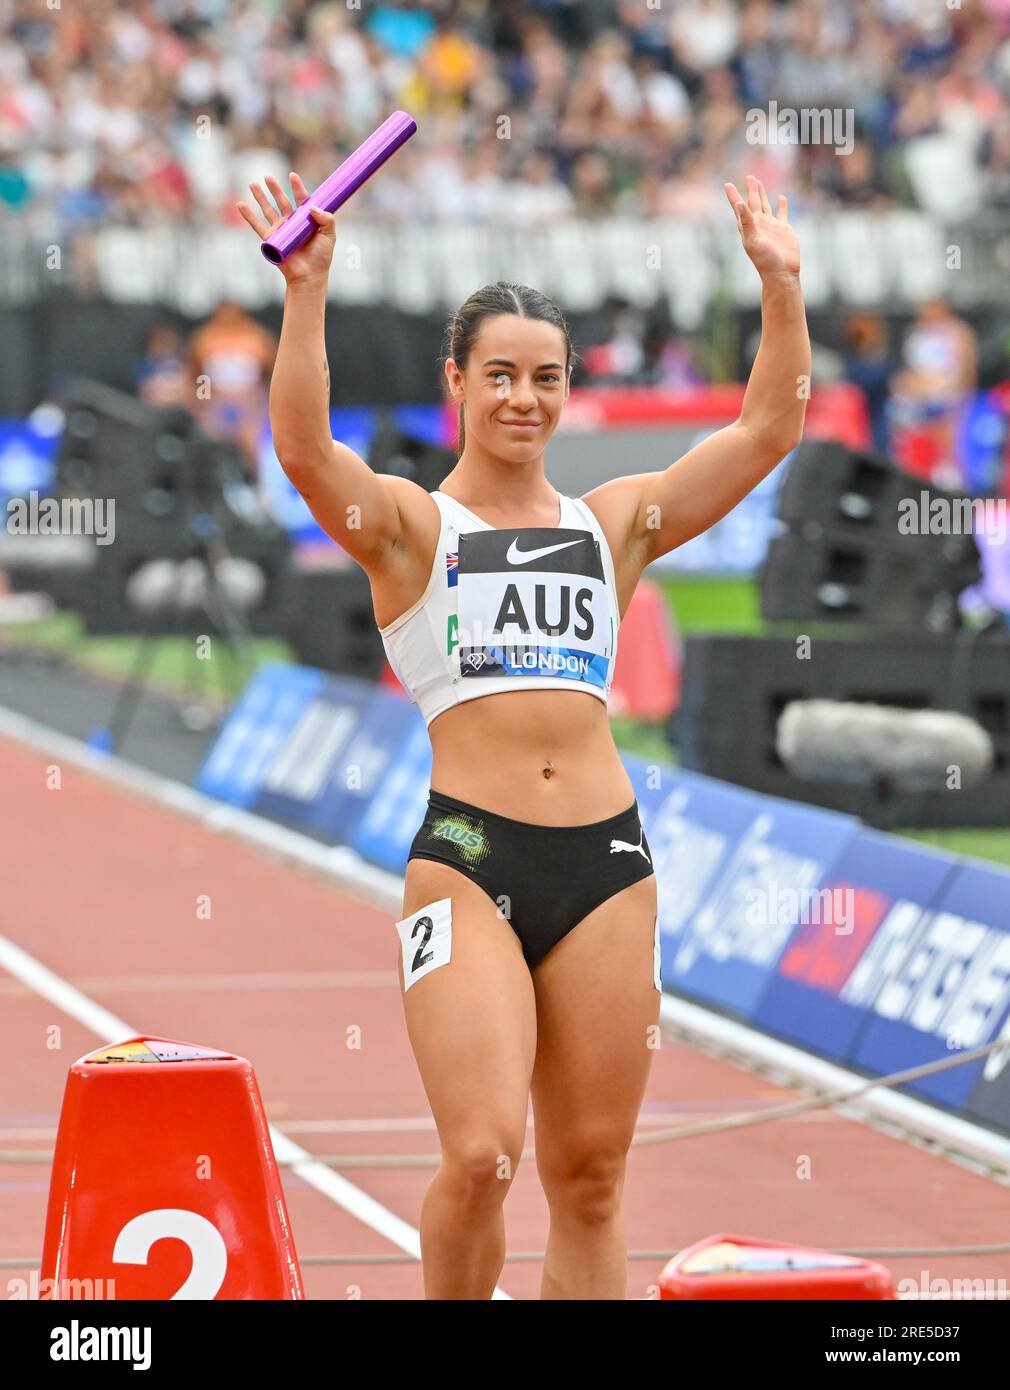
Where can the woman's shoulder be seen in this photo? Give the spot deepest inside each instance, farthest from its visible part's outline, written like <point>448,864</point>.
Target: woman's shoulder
<point>413,501</point>
<point>614,503</point>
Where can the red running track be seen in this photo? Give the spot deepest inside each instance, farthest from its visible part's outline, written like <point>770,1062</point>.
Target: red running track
<point>100,884</point>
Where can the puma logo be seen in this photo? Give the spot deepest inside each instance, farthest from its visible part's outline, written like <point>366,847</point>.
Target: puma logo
<point>616,846</point>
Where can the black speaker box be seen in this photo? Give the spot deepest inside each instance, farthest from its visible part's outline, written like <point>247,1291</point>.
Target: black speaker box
<point>845,554</point>
<point>114,445</point>
<point>912,582</point>
<point>405,456</point>
<point>329,621</point>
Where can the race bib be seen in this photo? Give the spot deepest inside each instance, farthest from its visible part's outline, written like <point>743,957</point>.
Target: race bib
<point>532,602</point>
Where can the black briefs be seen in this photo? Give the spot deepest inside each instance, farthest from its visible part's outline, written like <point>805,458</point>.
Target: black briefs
<point>545,878</point>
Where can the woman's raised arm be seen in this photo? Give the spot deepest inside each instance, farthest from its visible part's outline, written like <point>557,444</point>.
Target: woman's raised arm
<point>355,506</point>
<point>653,513</point>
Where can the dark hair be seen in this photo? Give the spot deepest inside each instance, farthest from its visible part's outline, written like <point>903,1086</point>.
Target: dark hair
<point>503,297</point>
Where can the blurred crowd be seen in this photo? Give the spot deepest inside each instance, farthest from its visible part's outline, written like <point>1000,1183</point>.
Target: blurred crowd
<point>530,110</point>
<point>920,386</point>
<point>162,111</point>
<point>220,372</point>
<point>936,398</point>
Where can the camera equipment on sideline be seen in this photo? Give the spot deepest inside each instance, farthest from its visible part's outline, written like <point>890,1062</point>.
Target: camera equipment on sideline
<point>189,550</point>
<point>175,489</point>
<point>885,750</point>
<point>942,694</point>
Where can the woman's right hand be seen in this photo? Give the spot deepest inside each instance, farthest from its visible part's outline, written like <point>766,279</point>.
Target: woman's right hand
<point>312,259</point>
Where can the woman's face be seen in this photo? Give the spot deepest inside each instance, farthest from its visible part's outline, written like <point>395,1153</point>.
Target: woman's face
<point>514,386</point>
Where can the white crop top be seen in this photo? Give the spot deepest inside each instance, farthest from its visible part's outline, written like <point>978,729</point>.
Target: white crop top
<point>522,608</point>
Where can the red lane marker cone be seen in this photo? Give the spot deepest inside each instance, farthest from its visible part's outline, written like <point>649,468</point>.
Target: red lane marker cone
<point>164,1181</point>
<point>742,1267</point>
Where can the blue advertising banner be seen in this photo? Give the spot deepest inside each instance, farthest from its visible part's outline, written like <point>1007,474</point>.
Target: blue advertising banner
<point>260,722</point>
<point>946,988</point>
<point>317,751</point>
<point>730,945</point>
<point>391,819</point>
<point>862,947</point>
<point>873,899</point>
<point>334,759</point>
<point>989,1101</point>
<point>652,784</point>
<point>692,835</point>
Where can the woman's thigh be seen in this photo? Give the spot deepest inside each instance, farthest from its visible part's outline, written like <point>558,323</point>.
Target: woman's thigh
<point>471,1021</point>
<point>597,1015</point>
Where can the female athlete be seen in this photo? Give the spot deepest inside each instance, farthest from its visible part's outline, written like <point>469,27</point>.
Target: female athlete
<point>528,945</point>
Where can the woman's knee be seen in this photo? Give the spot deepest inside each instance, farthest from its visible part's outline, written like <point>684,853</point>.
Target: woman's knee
<point>585,1183</point>
<point>481,1168</point>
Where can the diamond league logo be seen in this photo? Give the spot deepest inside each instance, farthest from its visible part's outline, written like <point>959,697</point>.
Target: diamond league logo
<point>476,660</point>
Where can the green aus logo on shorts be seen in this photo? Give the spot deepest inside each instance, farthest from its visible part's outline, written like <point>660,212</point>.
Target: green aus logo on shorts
<point>467,835</point>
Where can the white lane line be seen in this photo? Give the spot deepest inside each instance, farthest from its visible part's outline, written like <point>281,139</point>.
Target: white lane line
<point>41,980</point>
<point>111,1029</point>
<point>382,889</point>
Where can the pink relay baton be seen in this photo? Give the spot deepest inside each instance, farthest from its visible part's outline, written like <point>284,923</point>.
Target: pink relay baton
<point>295,230</point>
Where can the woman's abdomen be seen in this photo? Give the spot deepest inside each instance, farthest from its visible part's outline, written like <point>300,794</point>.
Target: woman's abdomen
<point>493,751</point>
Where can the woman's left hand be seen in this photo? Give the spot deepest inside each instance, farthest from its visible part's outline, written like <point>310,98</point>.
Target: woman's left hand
<point>767,236</point>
